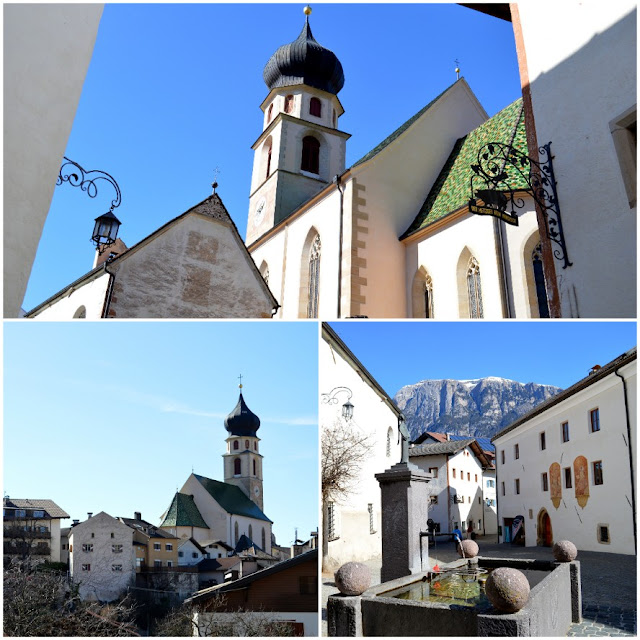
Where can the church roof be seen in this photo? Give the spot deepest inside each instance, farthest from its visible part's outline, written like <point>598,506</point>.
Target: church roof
<point>183,512</point>
<point>242,421</point>
<point>304,61</point>
<point>399,131</point>
<point>451,190</point>
<point>231,498</point>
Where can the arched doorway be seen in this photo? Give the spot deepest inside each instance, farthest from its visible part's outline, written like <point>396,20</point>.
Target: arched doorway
<point>545,533</point>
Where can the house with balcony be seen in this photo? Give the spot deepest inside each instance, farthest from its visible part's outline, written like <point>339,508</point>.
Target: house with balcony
<point>31,529</point>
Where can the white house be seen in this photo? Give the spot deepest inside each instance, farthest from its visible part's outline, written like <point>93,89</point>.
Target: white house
<point>101,557</point>
<point>352,522</point>
<point>578,71</point>
<point>458,498</point>
<point>565,471</point>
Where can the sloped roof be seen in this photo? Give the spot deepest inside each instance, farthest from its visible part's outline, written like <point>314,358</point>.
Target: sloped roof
<point>45,505</point>
<point>247,547</point>
<point>452,188</point>
<point>231,498</point>
<point>209,564</point>
<point>593,377</point>
<point>440,437</point>
<point>309,556</point>
<point>438,448</point>
<point>147,528</point>
<point>183,512</point>
<point>485,443</point>
<point>220,543</point>
<point>399,131</point>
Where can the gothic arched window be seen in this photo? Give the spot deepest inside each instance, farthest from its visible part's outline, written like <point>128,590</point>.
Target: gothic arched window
<point>81,312</point>
<point>315,107</point>
<point>270,113</point>
<point>246,444</point>
<point>428,297</point>
<point>254,467</point>
<point>251,533</point>
<point>314,278</point>
<point>310,155</point>
<point>268,162</point>
<point>236,533</point>
<point>237,468</point>
<point>288,104</point>
<point>474,289</point>
<point>264,540</point>
<point>538,274</point>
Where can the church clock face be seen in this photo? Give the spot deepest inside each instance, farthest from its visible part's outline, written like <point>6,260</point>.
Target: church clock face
<point>259,213</point>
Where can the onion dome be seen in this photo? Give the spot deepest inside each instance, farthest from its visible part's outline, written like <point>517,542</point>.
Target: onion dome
<point>304,61</point>
<point>242,421</point>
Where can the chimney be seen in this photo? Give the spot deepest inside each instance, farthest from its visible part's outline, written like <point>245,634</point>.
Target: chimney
<point>89,514</point>
<point>595,368</point>
<point>113,250</point>
<point>75,522</point>
<point>137,515</point>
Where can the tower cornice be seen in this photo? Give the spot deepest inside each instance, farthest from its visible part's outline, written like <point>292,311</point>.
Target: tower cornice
<point>301,87</point>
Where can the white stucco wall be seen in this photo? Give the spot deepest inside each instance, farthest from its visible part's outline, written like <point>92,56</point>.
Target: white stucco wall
<point>101,581</point>
<point>579,86</point>
<point>608,503</point>
<point>372,417</point>
<point>90,295</point>
<point>442,254</point>
<point>47,50</point>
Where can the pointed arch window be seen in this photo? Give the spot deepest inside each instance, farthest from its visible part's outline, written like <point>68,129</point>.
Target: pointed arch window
<point>538,275</point>
<point>237,468</point>
<point>251,533</point>
<point>288,104</point>
<point>236,533</point>
<point>268,161</point>
<point>254,467</point>
<point>315,107</point>
<point>428,297</point>
<point>270,113</point>
<point>310,155</point>
<point>314,278</point>
<point>474,289</point>
<point>264,540</point>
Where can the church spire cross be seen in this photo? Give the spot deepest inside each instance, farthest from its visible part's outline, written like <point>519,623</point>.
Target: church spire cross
<point>240,378</point>
<point>214,184</point>
<point>457,69</point>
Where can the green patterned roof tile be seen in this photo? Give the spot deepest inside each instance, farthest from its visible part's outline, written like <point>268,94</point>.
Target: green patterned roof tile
<point>183,512</point>
<point>452,189</point>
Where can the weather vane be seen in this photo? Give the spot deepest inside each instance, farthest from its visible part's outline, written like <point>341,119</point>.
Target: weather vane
<point>457,69</point>
<point>214,184</point>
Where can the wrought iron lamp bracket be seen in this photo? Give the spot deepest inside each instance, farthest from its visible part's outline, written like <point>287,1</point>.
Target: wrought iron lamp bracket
<point>331,397</point>
<point>491,179</point>
<point>86,180</point>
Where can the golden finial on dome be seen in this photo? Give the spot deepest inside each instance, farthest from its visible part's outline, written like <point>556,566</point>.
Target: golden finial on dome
<point>307,10</point>
<point>457,69</point>
<point>240,378</point>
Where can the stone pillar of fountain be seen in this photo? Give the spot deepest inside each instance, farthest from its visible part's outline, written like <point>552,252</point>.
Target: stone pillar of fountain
<point>405,503</point>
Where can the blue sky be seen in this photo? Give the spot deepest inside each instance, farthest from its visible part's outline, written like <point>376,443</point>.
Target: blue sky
<point>112,416</point>
<point>173,91</point>
<point>553,352</point>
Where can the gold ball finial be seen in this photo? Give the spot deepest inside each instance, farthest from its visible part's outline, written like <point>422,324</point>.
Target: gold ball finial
<point>239,386</point>
<point>307,10</point>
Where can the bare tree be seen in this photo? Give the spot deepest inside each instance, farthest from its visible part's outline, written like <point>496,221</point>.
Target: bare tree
<point>41,603</point>
<point>344,449</point>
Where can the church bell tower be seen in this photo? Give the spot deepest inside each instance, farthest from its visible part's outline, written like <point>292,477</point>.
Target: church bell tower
<point>300,149</point>
<point>242,461</point>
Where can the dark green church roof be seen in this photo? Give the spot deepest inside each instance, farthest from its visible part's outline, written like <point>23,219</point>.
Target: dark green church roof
<point>183,512</point>
<point>452,190</point>
<point>231,498</point>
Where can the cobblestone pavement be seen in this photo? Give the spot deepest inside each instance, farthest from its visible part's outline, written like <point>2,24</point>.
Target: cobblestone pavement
<point>608,585</point>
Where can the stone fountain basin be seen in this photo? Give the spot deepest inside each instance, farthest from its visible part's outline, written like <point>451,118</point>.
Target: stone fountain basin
<point>554,603</point>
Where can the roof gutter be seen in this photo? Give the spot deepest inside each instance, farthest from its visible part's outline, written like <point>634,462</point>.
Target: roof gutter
<point>629,448</point>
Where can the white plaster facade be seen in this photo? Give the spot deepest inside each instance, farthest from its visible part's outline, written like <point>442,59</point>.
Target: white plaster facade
<point>356,518</point>
<point>195,266</point>
<point>594,499</point>
<point>47,50</point>
<point>583,94</point>
<point>189,553</point>
<point>101,557</point>
<point>457,490</point>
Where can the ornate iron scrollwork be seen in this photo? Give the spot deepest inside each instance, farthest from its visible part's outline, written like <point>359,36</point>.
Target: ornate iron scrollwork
<point>490,183</point>
<point>86,180</point>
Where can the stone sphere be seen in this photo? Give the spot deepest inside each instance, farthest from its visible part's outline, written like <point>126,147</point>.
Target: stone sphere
<point>507,589</point>
<point>469,547</point>
<point>353,578</point>
<point>564,551</point>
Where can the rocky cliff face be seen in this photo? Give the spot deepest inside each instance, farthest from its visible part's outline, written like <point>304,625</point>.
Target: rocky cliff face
<point>474,408</point>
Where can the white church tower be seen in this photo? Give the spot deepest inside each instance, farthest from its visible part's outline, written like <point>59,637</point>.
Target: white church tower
<point>242,461</point>
<point>301,148</point>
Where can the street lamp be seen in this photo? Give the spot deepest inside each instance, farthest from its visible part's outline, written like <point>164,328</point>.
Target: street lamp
<point>105,230</point>
<point>331,398</point>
